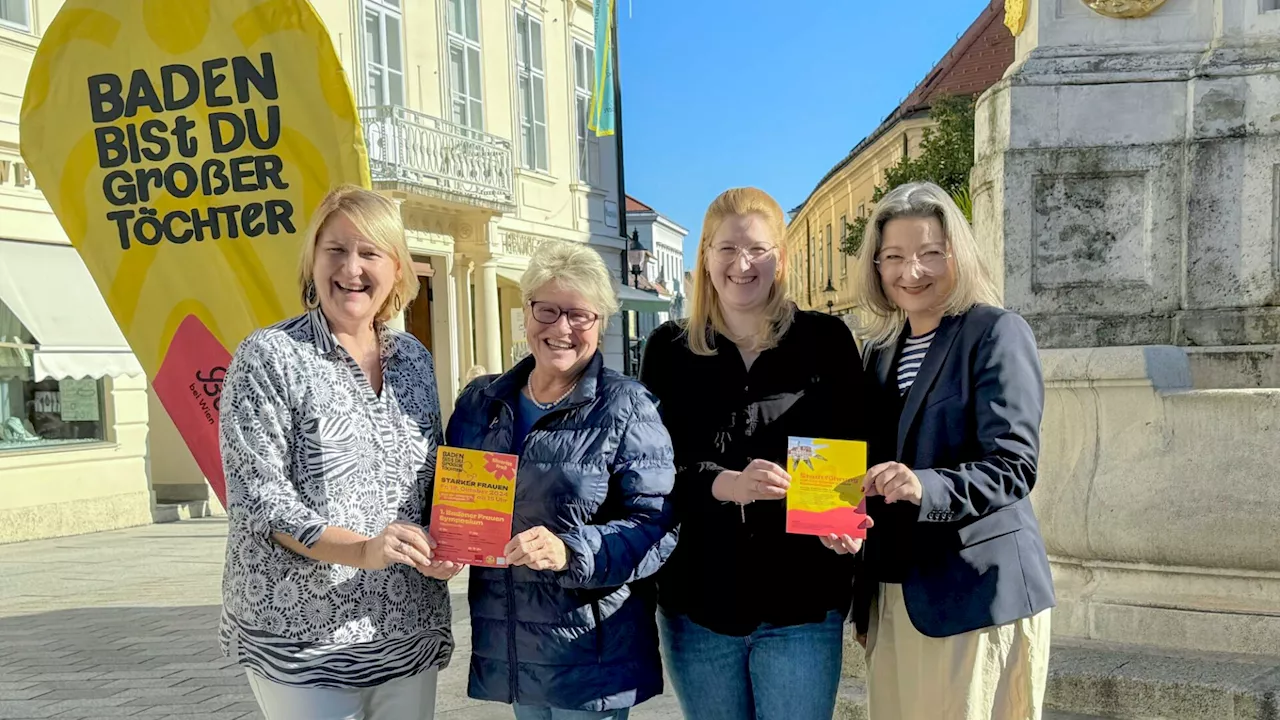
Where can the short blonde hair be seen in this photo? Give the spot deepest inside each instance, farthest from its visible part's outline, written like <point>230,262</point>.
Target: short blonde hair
<point>882,321</point>
<point>378,220</point>
<point>572,266</point>
<point>705,316</point>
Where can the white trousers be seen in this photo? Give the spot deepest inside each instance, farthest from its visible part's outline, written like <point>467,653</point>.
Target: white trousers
<point>408,698</point>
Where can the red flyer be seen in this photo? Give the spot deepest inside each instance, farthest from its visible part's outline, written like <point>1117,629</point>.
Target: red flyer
<point>472,504</point>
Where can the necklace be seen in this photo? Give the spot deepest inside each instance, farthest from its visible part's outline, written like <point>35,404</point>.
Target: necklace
<point>553,403</point>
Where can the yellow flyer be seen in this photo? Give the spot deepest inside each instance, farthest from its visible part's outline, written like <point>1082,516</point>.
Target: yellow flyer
<point>826,486</point>
<point>472,504</point>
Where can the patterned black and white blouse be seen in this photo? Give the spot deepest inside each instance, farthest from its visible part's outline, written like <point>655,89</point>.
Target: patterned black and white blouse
<point>306,443</point>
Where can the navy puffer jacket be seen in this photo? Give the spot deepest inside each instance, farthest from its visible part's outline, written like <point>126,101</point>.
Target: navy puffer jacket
<point>597,472</point>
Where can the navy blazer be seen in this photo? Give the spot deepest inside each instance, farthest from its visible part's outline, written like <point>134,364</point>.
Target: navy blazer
<point>971,556</point>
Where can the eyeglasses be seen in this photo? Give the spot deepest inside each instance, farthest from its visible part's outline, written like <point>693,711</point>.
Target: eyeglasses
<point>549,314</point>
<point>931,262</point>
<point>725,254</point>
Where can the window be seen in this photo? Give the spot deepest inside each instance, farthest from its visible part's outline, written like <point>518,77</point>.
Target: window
<point>16,13</point>
<point>383,54</point>
<point>531,82</point>
<point>844,230</point>
<point>46,413</point>
<point>584,80</point>
<point>820,272</point>
<point>464,64</point>
<point>862,211</point>
<point>830,260</point>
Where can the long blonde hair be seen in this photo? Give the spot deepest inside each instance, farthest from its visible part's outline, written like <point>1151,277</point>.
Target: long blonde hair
<point>882,321</point>
<point>378,220</point>
<point>705,315</point>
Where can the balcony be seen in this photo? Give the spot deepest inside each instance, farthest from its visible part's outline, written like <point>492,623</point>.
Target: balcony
<point>420,154</point>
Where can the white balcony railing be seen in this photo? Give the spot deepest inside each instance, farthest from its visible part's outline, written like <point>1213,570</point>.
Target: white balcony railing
<point>430,155</point>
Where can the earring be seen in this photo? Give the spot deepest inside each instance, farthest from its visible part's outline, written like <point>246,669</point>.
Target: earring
<point>309,297</point>
<point>397,305</point>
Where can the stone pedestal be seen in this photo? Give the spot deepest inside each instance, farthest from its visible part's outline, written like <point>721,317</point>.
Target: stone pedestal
<point>1132,169</point>
<point>1127,182</point>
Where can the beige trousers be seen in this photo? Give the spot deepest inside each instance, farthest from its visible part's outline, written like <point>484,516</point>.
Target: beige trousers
<point>996,673</point>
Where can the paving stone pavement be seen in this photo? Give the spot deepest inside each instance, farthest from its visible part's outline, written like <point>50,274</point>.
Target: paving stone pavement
<point>124,624</point>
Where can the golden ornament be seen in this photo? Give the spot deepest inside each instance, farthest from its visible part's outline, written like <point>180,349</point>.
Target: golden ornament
<point>1015,15</point>
<point>1123,8</point>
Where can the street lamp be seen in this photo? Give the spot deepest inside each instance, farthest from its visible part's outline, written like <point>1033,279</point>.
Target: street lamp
<point>829,293</point>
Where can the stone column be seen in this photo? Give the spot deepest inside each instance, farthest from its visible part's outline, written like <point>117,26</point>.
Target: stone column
<point>466,338</point>
<point>448,368</point>
<point>489,332</point>
<point>1126,185</point>
<point>1126,174</point>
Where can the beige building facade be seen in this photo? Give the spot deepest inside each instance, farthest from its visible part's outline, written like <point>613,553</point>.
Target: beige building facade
<point>474,114</point>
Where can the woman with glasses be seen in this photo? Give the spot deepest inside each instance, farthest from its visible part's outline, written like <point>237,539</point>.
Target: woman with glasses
<point>953,600</point>
<point>752,617</point>
<point>567,631</point>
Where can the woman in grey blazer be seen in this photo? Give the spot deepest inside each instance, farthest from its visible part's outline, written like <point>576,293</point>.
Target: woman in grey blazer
<point>953,603</point>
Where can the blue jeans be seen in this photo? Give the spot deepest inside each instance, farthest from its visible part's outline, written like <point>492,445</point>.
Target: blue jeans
<point>775,673</point>
<point>524,712</point>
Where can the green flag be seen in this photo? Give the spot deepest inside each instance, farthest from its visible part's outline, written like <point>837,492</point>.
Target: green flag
<point>601,118</point>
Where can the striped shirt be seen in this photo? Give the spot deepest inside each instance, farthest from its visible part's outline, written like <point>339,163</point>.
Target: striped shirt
<point>913,353</point>
<point>307,444</point>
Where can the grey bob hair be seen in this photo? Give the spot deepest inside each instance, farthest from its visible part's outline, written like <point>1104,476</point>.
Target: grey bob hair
<point>882,321</point>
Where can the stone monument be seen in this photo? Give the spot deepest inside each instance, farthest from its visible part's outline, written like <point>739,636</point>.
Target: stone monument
<point>1127,182</point>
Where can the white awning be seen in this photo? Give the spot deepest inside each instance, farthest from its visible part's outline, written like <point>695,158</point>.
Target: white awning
<point>50,290</point>
<point>641,301</point>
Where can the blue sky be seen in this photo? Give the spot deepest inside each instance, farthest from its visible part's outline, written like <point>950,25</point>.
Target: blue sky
<point>723,93</point>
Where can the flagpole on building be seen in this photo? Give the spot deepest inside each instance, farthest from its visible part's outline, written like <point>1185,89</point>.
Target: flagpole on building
<point>622,187</point>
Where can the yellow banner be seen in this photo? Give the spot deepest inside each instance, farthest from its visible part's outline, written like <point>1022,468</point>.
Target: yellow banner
<point>183,145</point>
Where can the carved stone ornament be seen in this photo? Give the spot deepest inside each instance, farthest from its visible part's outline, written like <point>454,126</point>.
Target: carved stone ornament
<point>1015,15</point>
<point>1124,8</point>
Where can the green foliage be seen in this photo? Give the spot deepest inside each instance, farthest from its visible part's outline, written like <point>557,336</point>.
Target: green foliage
<point>854,233</point>
<point>964,201</point>
<point>945,159</point>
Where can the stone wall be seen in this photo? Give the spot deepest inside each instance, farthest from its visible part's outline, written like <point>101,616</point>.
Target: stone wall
<point>1157,502</point>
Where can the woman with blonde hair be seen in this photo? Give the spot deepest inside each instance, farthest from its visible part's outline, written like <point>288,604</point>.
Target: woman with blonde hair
<point>329,428</point>
<point>953,601</point>
<point>752,617</point>
<point>566,630</point>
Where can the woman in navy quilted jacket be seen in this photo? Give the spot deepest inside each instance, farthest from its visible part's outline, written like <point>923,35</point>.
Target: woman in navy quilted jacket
<point>567,631</point>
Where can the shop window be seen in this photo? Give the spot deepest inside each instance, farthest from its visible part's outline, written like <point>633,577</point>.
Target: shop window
<point>42,414</point>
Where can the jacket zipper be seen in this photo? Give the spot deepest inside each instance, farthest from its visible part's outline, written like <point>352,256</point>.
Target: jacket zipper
<point>510,582</point>
<point>598,630</point>
<point>511,637</point>
<point>514,671</point>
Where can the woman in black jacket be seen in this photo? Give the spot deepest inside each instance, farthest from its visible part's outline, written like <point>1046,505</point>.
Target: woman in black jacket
<point>751,617</point>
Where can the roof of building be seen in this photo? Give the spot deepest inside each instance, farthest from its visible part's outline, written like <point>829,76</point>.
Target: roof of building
<point>634,205</point>
<point>977,61</point>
